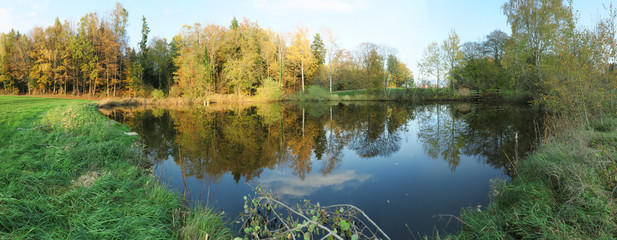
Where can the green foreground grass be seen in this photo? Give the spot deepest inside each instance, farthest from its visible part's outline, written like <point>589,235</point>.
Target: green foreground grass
<point>68,172</point>
<point>565,190</point>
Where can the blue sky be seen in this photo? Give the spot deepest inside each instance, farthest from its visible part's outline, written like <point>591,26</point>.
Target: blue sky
<point>407,25</point>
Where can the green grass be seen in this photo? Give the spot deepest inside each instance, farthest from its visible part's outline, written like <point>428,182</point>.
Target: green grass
<point>80,178</point>
<point>565,190</point>
<point>398,94</point>
<point>418,95</point>
<point>350,93</point>
<point>204,224</point>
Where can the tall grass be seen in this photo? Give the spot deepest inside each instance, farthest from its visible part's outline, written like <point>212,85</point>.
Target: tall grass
<point>203,223</point>
<point>80,177</point>
<point>566,190</point>
<point>162,102</point>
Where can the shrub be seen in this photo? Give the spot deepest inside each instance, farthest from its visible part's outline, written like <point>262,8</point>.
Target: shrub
<point>175,91</point>
<point>158,94</point>
<point>269,90</point>
<point>316,93</point>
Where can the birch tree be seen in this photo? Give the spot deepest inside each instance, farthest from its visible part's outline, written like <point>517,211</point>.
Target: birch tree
<point>299,52</point>
<point>431,63</point>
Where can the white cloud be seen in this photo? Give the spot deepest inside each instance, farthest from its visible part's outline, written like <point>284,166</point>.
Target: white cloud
<point>23,15</point>
<point>291,6</point>
<point>292,186</point>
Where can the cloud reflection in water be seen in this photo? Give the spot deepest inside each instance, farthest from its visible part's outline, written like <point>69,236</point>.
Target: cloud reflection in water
<point>292,187</point>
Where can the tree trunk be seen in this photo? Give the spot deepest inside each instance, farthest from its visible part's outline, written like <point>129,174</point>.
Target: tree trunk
<point>107,82</point>
<point>280,71</point>
<point>302,69</point>
<point>330,83</point>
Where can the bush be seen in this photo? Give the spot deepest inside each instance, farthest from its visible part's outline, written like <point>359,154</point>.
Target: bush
<point>175,91</point>
<point>158,94</point>
<point>269,90</point>
<point>316,93</point>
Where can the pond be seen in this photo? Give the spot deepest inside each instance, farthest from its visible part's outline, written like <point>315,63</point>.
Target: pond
<point>402,164</point>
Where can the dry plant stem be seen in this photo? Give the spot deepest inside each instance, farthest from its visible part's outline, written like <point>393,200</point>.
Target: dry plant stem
<point>363,214</point>
<point>455,217</point>
<point>460,220</point>
<point>301,215</point>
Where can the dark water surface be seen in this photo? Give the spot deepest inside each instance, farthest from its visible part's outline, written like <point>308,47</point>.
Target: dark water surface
<point>402,164</point>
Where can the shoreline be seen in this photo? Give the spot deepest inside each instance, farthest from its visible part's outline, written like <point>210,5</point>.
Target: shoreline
<point>565,190</point>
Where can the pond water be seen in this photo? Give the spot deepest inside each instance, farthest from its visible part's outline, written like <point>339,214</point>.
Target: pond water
<point>404,165</point>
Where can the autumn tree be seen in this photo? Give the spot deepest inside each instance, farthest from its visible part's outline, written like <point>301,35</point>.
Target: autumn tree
<point>41,71</point>
<point>244,67</point>
<point>119,21</point>
<point>191,75</point>
<point>214,40</point>
<point>281,52</point>
<point>299,53</point>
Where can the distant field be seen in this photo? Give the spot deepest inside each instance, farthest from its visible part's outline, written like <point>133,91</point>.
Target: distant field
<point>24,112</point>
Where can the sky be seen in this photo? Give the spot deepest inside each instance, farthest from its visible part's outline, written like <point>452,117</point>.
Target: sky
<point>407,25</point>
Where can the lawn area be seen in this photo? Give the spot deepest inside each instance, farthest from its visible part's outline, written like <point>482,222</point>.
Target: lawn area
<point>70,173</point>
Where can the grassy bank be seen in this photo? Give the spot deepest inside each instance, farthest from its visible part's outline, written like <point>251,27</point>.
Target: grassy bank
<point>69,172</point>
<point>565,190</point>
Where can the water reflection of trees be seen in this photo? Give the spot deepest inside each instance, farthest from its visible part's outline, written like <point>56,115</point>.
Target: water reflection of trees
<point>495,134</point>
<point>244,140</point>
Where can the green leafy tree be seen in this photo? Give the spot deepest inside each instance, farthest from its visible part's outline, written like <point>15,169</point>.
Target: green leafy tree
<point>191,75</point>
<point>234,24</point>
<point>318,49</point>
<point>535,26</point>
<point>431,63</point>
<point>452,55</point>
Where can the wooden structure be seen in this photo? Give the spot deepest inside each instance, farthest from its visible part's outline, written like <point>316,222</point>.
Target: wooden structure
<point>464,90</point>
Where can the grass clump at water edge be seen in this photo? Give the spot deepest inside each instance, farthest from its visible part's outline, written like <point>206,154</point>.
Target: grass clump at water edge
<point>77,175</point>
<point>565,190</point>
<point>204,223</point>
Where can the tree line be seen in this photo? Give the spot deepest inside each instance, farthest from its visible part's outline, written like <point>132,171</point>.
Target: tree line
<point>93,57</point>
<point>565,65</point>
